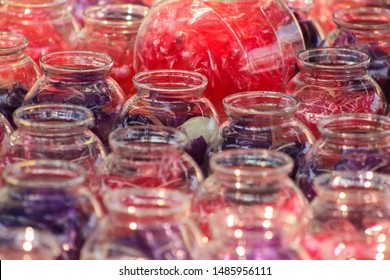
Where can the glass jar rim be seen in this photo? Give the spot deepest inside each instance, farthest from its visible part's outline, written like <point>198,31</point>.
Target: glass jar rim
<point>200,81</point>
<point>59,112</point>
<point>33,4</point>
<point>96,14</point>
<point>232,103</point>
<point>11,42</point>
<point>102,61</point>
<point>324,123</point>
<point>178,202</point>
<point>121,137</point>
<point>274,163</point>
<point>361,11</point>
<point>361,59</point>
<point>337,185</point>
<point>20,174</point>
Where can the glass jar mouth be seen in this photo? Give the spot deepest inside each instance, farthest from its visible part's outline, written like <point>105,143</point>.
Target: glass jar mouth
<point>352,186</point>
<point>363,18</point>
<point>146,202</point>
<point>265,104</point>
<point>251,163</point>
<point>44,174</point>
<point>27,241</point>
<point>333,59</point>
<point>126,15</point>
<point>53,118</point>
<point>12,42</point>
<point>76,62</point>
<point>144,139</point>
<point>35,4</point>
<point>170,82</point>
<point>355,126</point>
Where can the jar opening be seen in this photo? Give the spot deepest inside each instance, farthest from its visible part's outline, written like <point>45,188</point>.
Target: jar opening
<point>144,203</point>
<point>44,174</point>
<point>353,186</point>
<point>260,104</point>
<point>37,3</point>
<point>333,59</point>
<point>76,62</point>
<point>53,118</point>
<point>12,42</point>
<point>355,126</point>
<point>173,83</point>
<point>147,139</point>
<point>251,163</point>
<point>363,18</point>
<point>116,15</point>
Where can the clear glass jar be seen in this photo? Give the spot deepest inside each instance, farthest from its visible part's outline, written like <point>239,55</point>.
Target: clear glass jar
<point>80,78</point>
<point>238,234</point>
<point>264,120</point>
<point>238,45</point>
<point>5,130</point>
<point>311,30</point>
<point>49,195</point>
<point>246,179</point>
<point>359,142</point>
<point>56,132</point>
<point>112,29</point>
<point>368,30</point>
<point>28,244</point>
<point>147,157</point>
<point>18,72</point>
<point>173,98</point>
<point>334,81</point>
<point>347,212</point>
<point>143,224</point>
<point>323,10</point>
<point>48,24</point>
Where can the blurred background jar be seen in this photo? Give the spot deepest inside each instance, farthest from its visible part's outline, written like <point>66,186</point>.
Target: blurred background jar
<point>247,179</point>
<point>80,78</point>
<point>56,132</point>
<point>49,195</point>
<point>366,29</point>
<point>5,130</point>
<point>334,81</point>
<point>144,224</point>
<point>28,244</point>
<point>238,45</point>
<point>18,72</point>
<point>358,142</point>
<point>173,98</point>
<point>348,216</point>
<point>112,29</point>
<point>79,6</point>
<point>323,10</point>
<point>48,24</point>
<point>238,234</point>
<point>311,30</point>
<point>147,157</point>
<point>261,119</point>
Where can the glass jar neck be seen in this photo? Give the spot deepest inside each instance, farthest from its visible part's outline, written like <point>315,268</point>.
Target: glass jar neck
<point>53,120</point>
<point>76,66</point>
<point>12,46</point>
<point>169,85</point>
<point>36,9</point>
<point>148,143</point>
<point>368,24</point>
<point>327,65</point>
<point>358,130</point>
<point>257,108</point>
<point>115,19</point>
<point>241,168</point>
<point>133,207</point>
